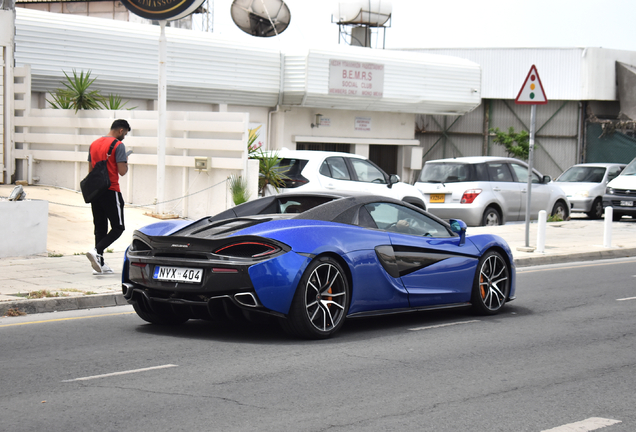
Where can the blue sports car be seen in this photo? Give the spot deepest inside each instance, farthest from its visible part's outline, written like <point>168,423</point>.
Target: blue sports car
<point>311,260</point>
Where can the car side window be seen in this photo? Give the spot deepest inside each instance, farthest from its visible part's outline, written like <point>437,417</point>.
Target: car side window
<point>335,168</point>
<point>613,173</point>
<point>364,219</point>
<point>522,174</point>
<point>499,172</point>
<point>396,218</point>
<point>367,172</point>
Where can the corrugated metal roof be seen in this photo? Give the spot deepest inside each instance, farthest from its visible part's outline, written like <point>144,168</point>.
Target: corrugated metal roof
<point>205,68</point>
<point>566,73</point>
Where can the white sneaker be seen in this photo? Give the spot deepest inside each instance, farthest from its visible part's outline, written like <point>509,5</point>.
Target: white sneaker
<point>106,270</point>
<point>95,260</point>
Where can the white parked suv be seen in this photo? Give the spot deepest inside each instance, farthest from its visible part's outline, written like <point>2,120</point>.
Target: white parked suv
<point>487,190</point>
<point>585,184</point>
<point>309,170</point>
<point>621,193</point>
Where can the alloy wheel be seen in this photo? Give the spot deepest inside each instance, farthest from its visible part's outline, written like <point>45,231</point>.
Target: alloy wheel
<point>493,282</point>
<point>325,297</point>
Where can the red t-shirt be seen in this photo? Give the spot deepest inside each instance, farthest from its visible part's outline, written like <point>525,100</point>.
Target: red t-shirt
<point>98,151</point>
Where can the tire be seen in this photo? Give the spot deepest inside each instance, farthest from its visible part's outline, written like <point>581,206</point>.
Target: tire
<point>491,217</point>
<point>616,216</point>
<point>321,302</point>
<point>165,318</point>
<point>597,210</point>
<point>491,286</point>
<point>560,209</point>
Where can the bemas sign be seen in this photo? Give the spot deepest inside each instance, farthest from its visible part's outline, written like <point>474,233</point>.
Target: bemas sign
<point>162,9</point>
<point>354,78</point>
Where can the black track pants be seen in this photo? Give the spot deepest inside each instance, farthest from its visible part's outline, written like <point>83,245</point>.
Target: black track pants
<point>108,207</point>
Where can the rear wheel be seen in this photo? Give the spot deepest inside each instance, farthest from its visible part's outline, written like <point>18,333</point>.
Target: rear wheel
<point>596,212</point>
<point>491,217</point>
<point>561,210</point>
<point>491,286</point>
<point>321,301</point>
<point>165,317</point>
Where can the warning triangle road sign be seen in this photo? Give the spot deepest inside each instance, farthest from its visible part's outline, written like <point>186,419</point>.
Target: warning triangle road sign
<point>532,92</point>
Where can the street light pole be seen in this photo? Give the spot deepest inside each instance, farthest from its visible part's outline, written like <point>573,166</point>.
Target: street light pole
<point>161,120</point>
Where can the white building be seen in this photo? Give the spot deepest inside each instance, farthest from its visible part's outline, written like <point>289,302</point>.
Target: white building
<point>348,98</point>
<point>581,85</point>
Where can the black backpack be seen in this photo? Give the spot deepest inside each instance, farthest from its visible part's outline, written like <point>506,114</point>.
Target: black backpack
<point>97,181</point>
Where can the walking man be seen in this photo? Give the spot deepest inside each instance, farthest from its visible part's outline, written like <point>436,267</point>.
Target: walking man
<point>109,206</point>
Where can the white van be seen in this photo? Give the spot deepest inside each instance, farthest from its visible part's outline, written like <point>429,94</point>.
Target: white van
<point>621,193</point>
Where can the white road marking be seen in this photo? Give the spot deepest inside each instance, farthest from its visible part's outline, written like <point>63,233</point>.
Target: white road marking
<point>590,424</point>
<point>443,325</point>
<point>626,298</point>
<point>120,373</point>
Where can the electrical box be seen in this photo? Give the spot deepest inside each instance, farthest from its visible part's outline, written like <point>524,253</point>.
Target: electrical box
<point>202,163</point>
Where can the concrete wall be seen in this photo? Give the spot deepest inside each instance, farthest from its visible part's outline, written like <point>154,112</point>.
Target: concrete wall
<point>24,227</point>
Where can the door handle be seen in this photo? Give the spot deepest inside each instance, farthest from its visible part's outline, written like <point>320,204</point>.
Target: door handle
<point>330,186</point>
<point>496,189</point>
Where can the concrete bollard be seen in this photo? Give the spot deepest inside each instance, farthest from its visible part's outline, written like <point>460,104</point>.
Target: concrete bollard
<point>607,232</point>
<point>543,217</point>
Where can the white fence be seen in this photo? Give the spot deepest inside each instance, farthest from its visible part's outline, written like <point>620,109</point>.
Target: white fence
<point>52,146</point>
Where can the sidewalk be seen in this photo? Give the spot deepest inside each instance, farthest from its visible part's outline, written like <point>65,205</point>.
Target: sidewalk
<point>70,229</point>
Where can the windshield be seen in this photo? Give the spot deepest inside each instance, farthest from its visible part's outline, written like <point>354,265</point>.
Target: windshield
<point>583,174</point>
<point>630,169</point>
<point>446,172</point>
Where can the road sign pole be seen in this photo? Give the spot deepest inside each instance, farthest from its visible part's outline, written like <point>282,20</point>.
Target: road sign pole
<point>533,116</point>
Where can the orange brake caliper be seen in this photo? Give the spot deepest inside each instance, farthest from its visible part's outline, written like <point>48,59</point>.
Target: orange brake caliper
<point>481,286</point>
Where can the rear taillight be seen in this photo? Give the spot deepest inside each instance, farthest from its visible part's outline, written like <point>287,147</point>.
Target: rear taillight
<point>470,195</point>
<point>247,250</point>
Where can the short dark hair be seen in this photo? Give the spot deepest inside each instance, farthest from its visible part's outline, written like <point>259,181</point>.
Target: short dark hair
<point>120,124</point>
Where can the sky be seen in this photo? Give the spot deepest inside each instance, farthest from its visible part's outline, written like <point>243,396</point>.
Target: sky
<point>464,24</point>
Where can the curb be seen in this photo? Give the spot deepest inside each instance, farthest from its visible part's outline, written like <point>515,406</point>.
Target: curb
<point>574,257</point>
<point>63,304</point>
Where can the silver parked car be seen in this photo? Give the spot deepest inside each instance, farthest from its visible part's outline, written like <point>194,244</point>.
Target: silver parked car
<point>584,185</point>
<point>487,190</point>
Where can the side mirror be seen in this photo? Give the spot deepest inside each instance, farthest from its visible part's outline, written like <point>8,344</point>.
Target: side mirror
<point>546,179</point>
<point>393,178</point>
<point>459,226</point>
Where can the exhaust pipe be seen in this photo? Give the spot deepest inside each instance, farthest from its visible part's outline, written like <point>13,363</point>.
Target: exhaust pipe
<point>246,299</point>
<point>127,290</point>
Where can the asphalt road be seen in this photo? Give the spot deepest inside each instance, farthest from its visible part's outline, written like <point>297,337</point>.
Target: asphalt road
<point>563,352</point>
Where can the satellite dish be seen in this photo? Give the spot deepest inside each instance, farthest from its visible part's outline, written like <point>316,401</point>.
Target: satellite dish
<point>262,18</point>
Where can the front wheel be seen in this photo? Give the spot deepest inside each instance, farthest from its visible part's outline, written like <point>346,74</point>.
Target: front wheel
<point>561,210</point>
<point>596,212</point>
<point>321,301</point>
<point>491,286</point>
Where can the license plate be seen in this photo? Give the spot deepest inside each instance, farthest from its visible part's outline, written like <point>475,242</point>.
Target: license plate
<point>627,203</point>
<point>437,198</point>
<point>178,274</point>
